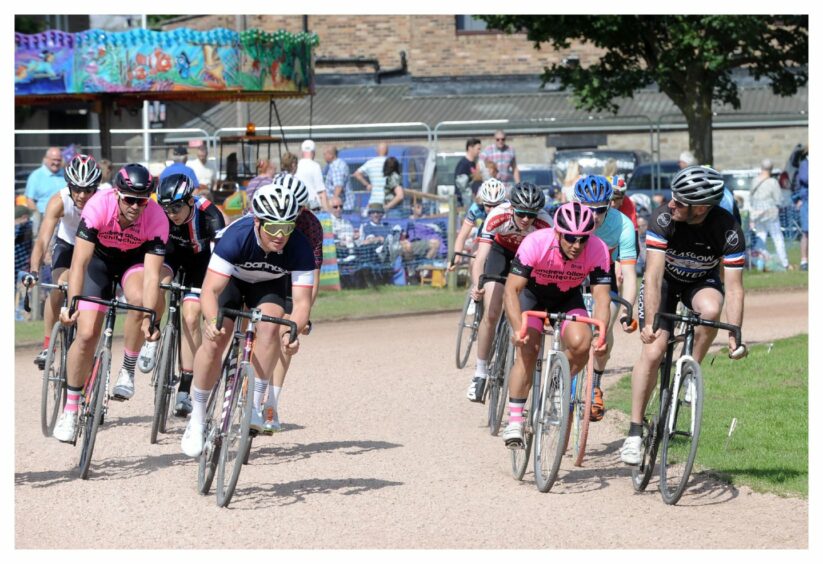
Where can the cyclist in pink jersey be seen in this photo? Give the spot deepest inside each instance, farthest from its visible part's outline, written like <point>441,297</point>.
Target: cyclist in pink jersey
<point>501,234</point>
<point>547,274</point>
<point>119,229</point>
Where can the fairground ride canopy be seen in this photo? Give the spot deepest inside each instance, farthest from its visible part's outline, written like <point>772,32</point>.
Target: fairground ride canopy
<point>182,64</point>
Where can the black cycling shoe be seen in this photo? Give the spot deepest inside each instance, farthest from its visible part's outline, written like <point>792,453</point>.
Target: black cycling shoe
<point>476,389</point>
<point>40,359</point>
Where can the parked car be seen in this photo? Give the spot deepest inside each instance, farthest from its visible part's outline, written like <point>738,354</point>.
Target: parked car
<point>653,178</point>
<point>444,172</point>
<point>592,161</point>
<point>542,176</point>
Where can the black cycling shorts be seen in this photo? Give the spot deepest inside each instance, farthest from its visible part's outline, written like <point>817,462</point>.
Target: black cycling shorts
<point>100,275</point>
<point>238,293</point>
<point>61,254</point>
<point>671,292</point>
<point>499,262</point>
<point>194,266</point>
<point>568,302</point>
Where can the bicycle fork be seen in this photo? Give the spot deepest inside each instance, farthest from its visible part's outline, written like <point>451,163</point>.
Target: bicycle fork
<point>674,406</point>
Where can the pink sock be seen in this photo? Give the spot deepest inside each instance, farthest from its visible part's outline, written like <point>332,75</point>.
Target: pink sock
<point>516,412</point>
<point>72,399</point>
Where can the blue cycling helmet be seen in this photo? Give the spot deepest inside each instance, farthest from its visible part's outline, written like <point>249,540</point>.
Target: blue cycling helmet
<point>593,189</point>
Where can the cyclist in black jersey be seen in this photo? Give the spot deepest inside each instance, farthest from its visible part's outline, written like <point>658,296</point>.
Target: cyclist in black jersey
<point>193,224</point>
<point>685,243</point>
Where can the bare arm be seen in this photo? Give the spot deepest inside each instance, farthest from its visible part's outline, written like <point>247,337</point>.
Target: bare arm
<point>359,176</point>
<point>734,301</point>
<point>511,302</point>
<point>653,279</point>
<point>315,289</point>
<point>602,307</point>
<point>629,290</point>
<point>479,265</point>
<point>460,243</point>
<point>80,259</point>
<point>54,211</point>
<point>151,291</point>
<point>398,198</point>
<point>515,171</point>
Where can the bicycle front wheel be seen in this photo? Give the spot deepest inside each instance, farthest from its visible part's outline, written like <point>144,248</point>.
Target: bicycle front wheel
<point>53,395</point>
<point>498,370</point>
<point>236,440</point>
<point>642,473</point>
<point>551,423</point>
<point>209,457</point>
<point>581,409</point>
<point>467,331</point>
<point>163,374</point>
<point>681,432</point>
<point>92,413</point>
<point>520,456</point>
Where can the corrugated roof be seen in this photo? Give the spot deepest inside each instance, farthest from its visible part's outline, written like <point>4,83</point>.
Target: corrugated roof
<point>395,103</point>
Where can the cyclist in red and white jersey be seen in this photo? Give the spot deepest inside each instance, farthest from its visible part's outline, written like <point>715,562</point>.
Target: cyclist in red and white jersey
<point>504,229</point>
<point>119,230</point>
<point>63,214</point>
<point>547,274</point>
<point>491,193</point>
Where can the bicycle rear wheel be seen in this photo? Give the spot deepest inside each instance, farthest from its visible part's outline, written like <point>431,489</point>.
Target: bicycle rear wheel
<point>53,395</point>
<point>642,473</point>
<point>581,408</point>
<point>467,331</point>
<point>520,456</point>
<point>210,456</point>
<point>681,433</point>
<point>551,424</point>
<point>92,414</point>
<point>163,374</point>
<point>498,369</point>
<point>236,441</point>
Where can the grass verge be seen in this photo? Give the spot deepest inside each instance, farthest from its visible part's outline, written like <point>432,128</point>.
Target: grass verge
<point>768,395</point>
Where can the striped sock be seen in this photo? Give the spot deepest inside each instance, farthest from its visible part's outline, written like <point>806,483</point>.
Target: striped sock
<point>72,399</point>
<point>516,406</point>
<point>199,399</point>
<point>596,380</point>
<point>260,387</point>
<point>129,360</point>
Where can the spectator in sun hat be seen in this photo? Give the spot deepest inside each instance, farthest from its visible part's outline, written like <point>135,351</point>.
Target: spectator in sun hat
<point>310,173</point>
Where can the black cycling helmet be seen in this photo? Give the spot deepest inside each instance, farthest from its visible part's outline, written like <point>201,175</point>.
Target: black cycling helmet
<point>527,196</point>
<point>174,188</point>
<point>83,172</point>
<point>697,185</point>
<point>135,179</point>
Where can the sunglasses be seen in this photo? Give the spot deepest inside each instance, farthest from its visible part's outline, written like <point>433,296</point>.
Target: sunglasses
<point>572,239</point>
<point>525,214</point>
<point>499,138</point>
<point>679,204</point>
<point>174,207</point>
<point>599,210</point>
<point>337,207</point>
<point>278,228</point>
<point>83,189</point>
<point>134,201</point>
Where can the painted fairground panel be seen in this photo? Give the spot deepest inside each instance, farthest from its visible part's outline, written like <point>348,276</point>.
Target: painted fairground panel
<point>181,60</point>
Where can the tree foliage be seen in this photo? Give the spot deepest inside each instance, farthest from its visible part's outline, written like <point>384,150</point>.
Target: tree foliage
<point>690,58</point>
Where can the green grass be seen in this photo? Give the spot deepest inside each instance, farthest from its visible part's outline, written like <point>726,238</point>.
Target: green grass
<point>346,304</point>
<point>768,394</point>
<point>775,281</point>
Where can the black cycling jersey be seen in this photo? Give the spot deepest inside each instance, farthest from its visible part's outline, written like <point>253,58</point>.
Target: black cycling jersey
<point>196,235</point>
<point>693,252</point>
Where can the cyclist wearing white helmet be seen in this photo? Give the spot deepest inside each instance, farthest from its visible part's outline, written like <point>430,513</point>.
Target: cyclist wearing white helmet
<point>63,214</point>
<point>249,266</point>
<point>687,241</point>
<point>490,194</point>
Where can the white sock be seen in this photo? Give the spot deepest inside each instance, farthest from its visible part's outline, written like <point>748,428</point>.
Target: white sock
<point>482,369</point>
<point>199,399</point>
<point>274,397</point>
<point>260,387</point>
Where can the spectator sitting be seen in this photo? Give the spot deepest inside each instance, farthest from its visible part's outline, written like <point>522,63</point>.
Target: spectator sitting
<point>421,239</point>
<point>393,191</point>
<point>375,230</point>
<point>44,182</point>
<point>343,230</point>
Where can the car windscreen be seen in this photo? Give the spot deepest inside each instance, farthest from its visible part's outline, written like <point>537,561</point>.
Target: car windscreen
<point>540,177</point>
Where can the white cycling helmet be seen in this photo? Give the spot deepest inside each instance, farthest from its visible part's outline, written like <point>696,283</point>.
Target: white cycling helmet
<point>301,191</point>
<point>492,192</point>
<point>275,202</point>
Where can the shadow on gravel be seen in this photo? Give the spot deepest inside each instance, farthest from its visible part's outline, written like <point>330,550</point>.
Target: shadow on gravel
<point>133,420</point>
<point>45,479</point>
<point>109,469</point>
<point>289,493</point>
<point>280,454</point>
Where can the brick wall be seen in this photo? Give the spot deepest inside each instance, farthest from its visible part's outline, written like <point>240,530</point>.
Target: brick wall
<point>432,44</point>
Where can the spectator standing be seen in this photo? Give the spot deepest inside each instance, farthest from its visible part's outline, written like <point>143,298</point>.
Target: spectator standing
<point>44,182</point>
<point>336,178</point>
<point>503,156</point>
<point>393,191</point>
<point>309,172</point>
<point>265,172</point>
<point>467,174</point>
<point>179,157</point>
<point>571,178</point>
<point>801,202</point>
<point>686,159</point>
<point>23,240</point>
<point>202,168</point>
<point>764,217</point>
<point>373,169</point>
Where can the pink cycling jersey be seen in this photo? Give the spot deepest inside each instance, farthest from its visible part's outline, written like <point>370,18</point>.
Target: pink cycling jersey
<point>501,228</point>
<point>540,258</point>
<point>99,224</point>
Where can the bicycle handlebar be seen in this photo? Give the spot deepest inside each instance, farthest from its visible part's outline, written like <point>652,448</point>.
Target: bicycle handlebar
<point>113,303</point>
<point>695,319</point>
<point>601,327</point>
<point>221,312</point>
<point>627,319</point>
<point>175,287</point>
<point>469,255</point>
<point>63,286</point>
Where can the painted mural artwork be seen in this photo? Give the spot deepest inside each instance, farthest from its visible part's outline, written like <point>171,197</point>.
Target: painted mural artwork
<point>183,60</point>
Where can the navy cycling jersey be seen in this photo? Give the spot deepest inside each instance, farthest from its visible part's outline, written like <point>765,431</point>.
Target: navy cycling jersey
<point>238,253</point>
<point>196,235</point>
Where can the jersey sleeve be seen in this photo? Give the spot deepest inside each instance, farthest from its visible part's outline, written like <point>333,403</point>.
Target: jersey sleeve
<point>627,253</point>
<point>659,231</point>
<point>527,256</point>
<point>734,250</point>
<point>494,220</point>
<point>157,230</point>
<point>214,221</point>
<point>91,218</point>
<point>224,254</point>
<point>599,273</point>
<point>301,262</point>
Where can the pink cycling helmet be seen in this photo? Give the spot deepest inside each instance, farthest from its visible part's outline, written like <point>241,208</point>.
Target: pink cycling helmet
<point>574,219</point>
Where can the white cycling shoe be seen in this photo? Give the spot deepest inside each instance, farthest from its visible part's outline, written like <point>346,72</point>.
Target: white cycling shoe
<point>513,435</point>
<point>148,356</point>
<point>66,427</point>
<point>193,439</point>
<point>630,453</point>
<point>124,388</point>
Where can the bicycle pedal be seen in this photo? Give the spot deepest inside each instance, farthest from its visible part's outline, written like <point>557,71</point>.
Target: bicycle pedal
<point>253,433</point>
<point>515,444</point>
<point>115,397</point>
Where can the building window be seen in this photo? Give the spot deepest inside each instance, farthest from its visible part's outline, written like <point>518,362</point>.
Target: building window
<point>470,24</point>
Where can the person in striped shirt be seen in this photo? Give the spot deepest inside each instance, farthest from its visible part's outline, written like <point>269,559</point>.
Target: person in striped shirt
<point>687,240</point>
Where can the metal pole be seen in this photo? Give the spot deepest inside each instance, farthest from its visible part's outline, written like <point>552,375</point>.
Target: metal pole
<point>452,276</point>
<point>146,134</point>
